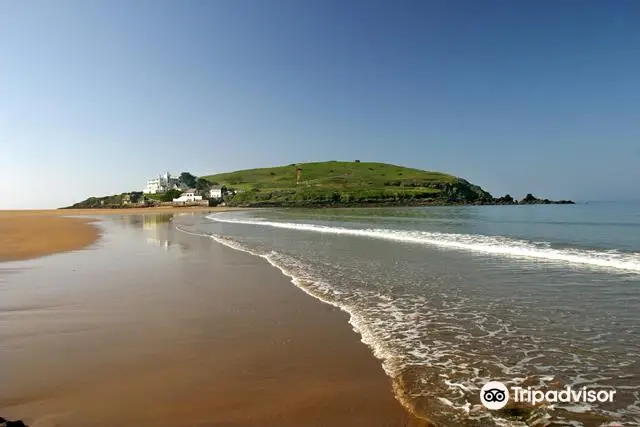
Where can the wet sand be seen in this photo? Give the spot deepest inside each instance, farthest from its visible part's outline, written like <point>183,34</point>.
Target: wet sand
<point>151,326</point>
<point>26,234</point>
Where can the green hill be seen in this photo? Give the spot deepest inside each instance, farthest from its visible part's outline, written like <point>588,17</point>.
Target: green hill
<point>346,183</point>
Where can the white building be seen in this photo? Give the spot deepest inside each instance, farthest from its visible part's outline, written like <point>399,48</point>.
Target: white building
<point>188,197</point>
<point>161,184</point>
<point>215,192</point>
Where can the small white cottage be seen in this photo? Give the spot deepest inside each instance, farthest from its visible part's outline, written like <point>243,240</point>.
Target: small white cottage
<point>188,196</point>
<point>215,192</point>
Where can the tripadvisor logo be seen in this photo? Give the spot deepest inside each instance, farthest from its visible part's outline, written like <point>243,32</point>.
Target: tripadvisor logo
<point>495,395</point>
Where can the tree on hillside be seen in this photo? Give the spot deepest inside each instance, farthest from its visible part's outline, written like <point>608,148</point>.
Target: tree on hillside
<point>170,195</point>
<point>135,196</point>
<point>202,185</point>
<point>187,179</point>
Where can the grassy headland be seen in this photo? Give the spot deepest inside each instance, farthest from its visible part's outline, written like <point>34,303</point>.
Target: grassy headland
<point>345,183</point>
<point>320,184</point>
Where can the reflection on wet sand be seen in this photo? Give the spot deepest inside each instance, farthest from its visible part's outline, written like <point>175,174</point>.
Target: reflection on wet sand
<point>151,224</point>
<point>155,228</point>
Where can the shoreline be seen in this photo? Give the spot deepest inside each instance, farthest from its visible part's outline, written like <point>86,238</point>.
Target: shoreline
<point>356,324</point>
<point>232,343</point>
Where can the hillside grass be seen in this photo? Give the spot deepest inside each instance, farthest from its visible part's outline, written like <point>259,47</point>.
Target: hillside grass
<point>156,196</point>
<point>336,182</point>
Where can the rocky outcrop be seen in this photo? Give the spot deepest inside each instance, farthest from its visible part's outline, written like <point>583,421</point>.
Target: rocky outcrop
<point>462,191</point>
<point>505,200</point>
<point>529,199</point>
<point>7,423</point>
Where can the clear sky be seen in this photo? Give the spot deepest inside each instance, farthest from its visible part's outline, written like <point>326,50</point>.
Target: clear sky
<point>516,96</point>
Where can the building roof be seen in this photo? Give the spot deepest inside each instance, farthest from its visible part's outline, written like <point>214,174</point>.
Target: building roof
<point>215,187</point>
<point>191,190</point>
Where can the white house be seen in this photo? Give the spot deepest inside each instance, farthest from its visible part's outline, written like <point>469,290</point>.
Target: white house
<point>215,192</point>
<point>188,196</point>
<point>162,184</point>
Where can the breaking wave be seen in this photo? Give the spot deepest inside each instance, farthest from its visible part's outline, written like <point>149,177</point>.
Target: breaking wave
<point>492,245</point>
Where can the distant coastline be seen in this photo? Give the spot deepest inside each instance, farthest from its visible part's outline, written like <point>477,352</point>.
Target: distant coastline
<point>330,204</point>
<point>318,184</point>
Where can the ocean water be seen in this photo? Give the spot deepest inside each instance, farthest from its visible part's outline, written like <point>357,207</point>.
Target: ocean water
<point>449,298</point>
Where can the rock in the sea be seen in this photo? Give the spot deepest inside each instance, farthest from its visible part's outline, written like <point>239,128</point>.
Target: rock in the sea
<point>530,199</point>
<point>504,200</point>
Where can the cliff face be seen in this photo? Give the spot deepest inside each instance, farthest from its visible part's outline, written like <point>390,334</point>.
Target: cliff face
<point>464,191</point>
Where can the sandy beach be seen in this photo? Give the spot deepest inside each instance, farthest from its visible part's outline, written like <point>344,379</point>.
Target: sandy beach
<point>23,237</point>
<point>28,234</point>
<point>151,326</point>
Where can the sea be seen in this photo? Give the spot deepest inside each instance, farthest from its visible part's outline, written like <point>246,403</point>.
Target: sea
<point>541,297</point>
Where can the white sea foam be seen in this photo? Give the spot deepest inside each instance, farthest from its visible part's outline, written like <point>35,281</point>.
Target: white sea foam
<point>493,245</point>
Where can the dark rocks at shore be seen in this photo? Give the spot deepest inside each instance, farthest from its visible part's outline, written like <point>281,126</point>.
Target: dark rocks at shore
<point>529,199</point>
<point>7,423</point>
<point>505,200</point>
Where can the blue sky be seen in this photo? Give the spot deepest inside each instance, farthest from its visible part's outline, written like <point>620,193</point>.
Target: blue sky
<point>516,96</point>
